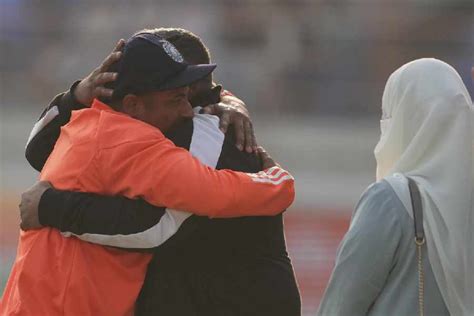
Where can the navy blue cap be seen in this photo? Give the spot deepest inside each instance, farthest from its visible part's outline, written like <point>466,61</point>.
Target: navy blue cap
<point>151,63</point>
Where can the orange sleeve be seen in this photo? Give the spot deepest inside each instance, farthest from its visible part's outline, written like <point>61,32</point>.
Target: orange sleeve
<point>166,175</point>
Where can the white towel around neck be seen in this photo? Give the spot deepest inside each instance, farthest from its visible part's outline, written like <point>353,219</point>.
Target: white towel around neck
<point>427,134</point>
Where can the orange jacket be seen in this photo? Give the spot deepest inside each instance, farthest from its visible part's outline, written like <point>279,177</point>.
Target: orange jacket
<point>107,152</point>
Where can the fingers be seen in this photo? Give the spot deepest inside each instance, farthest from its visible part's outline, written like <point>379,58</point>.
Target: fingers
<point>113,56</point>
<point>91,86</point>
<point>244,134</point>
<point>120,44</point>
<point>104,77</point>
<point>250,140</point>
<point>236,103</point>
<point>98,82</point>
<point>239,134</point>
<point>103,92</point>
<point>28,207</point>
<point>231,115</point>
<point>224,122</point>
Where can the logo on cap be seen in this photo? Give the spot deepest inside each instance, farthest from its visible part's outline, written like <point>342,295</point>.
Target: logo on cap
<point>172,51</point>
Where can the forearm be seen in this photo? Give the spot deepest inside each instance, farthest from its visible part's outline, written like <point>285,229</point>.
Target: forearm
<point>46,131</point>
<point>171,176</point>
<point>223,193</point>
<point>81,213</point>
<point>108,220</point>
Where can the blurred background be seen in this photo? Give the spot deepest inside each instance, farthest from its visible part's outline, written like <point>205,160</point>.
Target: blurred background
<point>311,72</point>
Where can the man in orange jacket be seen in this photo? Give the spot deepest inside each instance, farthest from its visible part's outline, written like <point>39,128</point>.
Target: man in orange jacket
<point>115,149</point>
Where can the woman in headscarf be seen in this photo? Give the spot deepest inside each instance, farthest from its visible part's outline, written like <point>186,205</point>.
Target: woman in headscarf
<point>427,131</point>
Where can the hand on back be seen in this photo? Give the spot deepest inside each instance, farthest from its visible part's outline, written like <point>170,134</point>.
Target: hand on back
<point>233,112</point>
<point>29,205</point>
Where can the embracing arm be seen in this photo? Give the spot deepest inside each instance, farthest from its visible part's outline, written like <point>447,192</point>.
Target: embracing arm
<point>171,176</point>
<point>46,131</point>
<point>232,111</point>
<point>107,220</point>
<point>121,222</point>
<point>111,220</point>
<point>365,256</point>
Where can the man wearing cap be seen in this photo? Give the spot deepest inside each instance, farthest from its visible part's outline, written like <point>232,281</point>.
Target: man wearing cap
<point>216,247</point>
<point>116,149</point>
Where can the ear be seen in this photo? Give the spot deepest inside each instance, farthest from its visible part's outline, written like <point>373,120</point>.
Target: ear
<point>133,106</point>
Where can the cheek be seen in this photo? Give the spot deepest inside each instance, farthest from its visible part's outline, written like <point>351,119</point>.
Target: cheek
<point>156,117</point>
<point>167,119</point>
<point>170,116</point>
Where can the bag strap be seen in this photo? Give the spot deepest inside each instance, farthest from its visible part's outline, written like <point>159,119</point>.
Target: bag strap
<point>417,210</point>
<point>419,238</point>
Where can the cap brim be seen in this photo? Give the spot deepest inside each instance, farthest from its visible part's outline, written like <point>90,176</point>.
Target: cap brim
<point>189,75</point>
